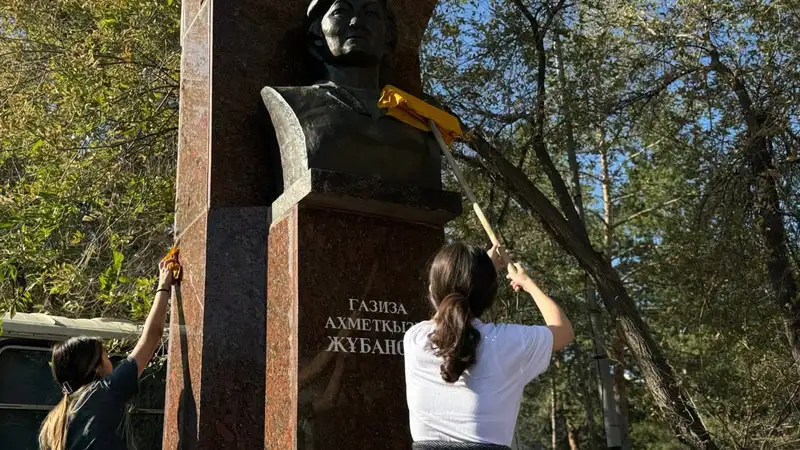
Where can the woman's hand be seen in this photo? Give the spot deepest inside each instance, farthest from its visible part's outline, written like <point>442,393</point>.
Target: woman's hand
<point>519,278</point>
<point>165,276</point>
<point>499,256</point>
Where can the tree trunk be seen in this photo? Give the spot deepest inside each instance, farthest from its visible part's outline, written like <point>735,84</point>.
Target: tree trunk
<point>597,327</point>
<point>608,210</point>
<point>773,232</point>
<point>554,413</point>
<point>671,399</point>
<point>585,379</point>
<point>571,439</point>
<point>621,389</point>
<point>758,150</point>
<point>621,398</point>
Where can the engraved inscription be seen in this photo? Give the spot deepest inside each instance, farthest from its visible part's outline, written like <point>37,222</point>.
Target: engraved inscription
<point>344,343</point>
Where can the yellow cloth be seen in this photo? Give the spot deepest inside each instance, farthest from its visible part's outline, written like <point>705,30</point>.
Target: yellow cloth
<point>175,267</point>
<point>415,112</point>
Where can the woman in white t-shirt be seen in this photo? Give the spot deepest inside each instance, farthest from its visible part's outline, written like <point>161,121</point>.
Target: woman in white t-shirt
<point>464,377</point>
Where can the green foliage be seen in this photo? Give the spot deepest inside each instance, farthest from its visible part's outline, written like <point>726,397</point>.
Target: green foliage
<point>88,127</point>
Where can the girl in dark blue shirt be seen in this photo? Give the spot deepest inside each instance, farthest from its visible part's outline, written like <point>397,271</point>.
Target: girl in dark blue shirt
<point>92,415</point>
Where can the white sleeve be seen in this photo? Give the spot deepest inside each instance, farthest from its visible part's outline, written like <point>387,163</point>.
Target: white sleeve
<point>536,346</point>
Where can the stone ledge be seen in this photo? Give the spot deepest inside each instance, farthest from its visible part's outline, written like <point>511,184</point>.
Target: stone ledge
<point>370,196</point>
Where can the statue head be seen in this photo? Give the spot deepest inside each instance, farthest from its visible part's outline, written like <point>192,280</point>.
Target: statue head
<point>358,33</point>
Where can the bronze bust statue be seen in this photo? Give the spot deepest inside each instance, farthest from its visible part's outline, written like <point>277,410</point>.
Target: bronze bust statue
<point>335,124</point>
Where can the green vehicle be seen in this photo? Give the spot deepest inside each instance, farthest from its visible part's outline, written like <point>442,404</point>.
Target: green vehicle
<point>28,391</point>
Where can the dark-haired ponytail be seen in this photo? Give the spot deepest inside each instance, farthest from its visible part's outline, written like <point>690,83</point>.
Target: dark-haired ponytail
<point>463,283</point>
<point>74,365</point>
<point>454,339</point>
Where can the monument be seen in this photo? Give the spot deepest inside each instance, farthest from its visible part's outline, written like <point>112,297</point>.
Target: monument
<point>305,230</point>
<point>335,124</point>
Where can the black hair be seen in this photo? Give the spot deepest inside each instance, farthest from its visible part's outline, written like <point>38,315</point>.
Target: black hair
<point>463,284</point>
<point>74,367</point>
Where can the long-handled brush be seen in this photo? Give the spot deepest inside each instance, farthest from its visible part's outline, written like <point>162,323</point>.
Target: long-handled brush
<point>445,128</point>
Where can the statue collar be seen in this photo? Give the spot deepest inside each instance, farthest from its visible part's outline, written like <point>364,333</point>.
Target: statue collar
<point>359,100</point>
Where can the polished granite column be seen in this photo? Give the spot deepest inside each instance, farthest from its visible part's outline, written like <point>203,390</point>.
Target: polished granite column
<point>225,186</point>
<point>215,382</point>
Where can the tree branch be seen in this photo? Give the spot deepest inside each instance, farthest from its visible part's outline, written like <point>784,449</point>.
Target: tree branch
<point>653,92</point>
<point>645,211</point>
<point>539,119</point>
<point>127,141</point>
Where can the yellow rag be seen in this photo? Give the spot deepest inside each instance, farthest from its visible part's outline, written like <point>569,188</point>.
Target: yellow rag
<point>175,267</point>
<point>415,112</point>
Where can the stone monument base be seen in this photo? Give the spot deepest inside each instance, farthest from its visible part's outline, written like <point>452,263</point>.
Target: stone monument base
<point>343,286</point>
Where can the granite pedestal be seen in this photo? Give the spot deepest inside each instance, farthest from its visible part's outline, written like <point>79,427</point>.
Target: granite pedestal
<point>347,276</point>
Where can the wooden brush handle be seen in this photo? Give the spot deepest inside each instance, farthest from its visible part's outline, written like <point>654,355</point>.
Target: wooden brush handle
<point>460,177</point>
<point>485,222</point>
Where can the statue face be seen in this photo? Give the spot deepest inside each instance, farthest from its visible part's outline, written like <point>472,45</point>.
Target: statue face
<point>355,32</point>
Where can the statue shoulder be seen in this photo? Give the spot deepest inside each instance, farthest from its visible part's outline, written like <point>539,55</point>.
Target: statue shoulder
<point>292,97</point>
